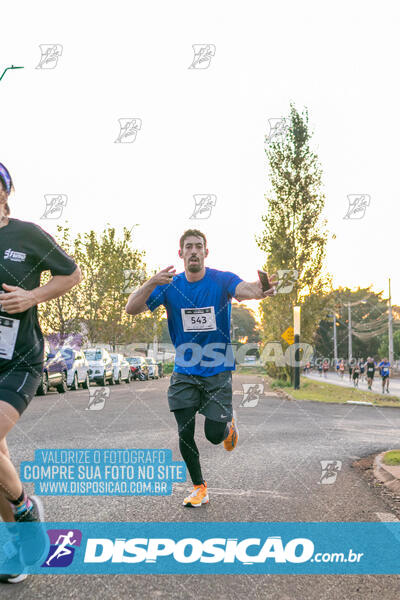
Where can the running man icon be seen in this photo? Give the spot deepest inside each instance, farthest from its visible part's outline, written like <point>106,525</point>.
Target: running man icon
<point>62,549</point>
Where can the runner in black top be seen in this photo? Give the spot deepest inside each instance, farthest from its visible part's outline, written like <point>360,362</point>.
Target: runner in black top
<point>370,369</point>
<point>25,251</point>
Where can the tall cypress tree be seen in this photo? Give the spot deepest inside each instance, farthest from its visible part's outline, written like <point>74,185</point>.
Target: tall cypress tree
<point>294,235</point>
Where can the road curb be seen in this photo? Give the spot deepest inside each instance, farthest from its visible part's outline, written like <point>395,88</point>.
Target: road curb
<point>387,475</point>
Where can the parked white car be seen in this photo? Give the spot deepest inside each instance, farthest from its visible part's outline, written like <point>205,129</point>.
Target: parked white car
<point>101,368</point>
<point>78,368</point>
<point>153,367</point>
<point>122,369</point>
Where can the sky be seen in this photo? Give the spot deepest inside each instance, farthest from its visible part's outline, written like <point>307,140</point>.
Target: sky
<point>202,130</point>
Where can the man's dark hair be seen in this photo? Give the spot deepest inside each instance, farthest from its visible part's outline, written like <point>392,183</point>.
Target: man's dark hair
<point>3,185</point>
<point>194,232</point>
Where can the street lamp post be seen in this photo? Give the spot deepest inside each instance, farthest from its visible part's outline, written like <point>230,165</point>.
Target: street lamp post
<point>296,323</point>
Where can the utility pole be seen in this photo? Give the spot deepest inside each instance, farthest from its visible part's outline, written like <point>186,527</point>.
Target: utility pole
<point>335,357</point>
<point>350,334</point>
<point>334,340</point>
<point>390,316</point>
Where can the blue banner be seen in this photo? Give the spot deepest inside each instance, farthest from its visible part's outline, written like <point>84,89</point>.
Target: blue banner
<point>182,547</point>
<point>103,472</point>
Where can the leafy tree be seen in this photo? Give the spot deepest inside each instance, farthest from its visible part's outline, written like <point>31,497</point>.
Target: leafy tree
<point>97,306</point>
<point>244,324</point>
<point>369,322</point>
<point>383,349</point>
<point>63,315</point>
<point>294,236</point>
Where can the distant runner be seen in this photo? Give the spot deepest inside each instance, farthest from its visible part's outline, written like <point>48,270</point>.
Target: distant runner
<point>370,370</point>
<point>356,374</point>
<point>325,367</point>
<point>341,369</point>
<point>384,370</point>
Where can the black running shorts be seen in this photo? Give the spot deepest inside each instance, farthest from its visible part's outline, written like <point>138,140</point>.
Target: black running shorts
<point>17,387</point>
<point>211,396</point>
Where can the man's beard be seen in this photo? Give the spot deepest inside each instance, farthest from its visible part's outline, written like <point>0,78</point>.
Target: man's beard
<point>194,267</point>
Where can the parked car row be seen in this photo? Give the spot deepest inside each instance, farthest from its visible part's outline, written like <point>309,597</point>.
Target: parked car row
<point>71,368</point>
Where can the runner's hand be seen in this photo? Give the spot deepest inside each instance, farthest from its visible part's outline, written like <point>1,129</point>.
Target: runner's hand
<point>16,299</point>
<point>273,280</point>
<point>164,276</point>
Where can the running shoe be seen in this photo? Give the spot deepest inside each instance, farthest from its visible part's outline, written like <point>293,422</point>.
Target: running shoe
<point>233,436</point>
<point>198,497</point>
<point>34,542</point>
<point>18,578</point>
<point>11,550</point>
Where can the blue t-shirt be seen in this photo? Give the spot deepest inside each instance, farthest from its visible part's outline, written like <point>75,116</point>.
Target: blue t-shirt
<point>199,316</point>
<point>384,368</point>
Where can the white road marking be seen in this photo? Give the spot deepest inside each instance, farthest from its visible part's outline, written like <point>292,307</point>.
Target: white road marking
<point>238,492</point>
<point>387,517</point>
<point>359,402</point>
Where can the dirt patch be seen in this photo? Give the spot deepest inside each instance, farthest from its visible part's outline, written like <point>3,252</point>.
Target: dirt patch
<point>365,468</point>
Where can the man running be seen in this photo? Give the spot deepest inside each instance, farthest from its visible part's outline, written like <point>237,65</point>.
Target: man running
<point>325,367</point>
<point>384,370</point>
<point>341,368</point>
<point>356,374</point>
<point>25,251</point>
<point>198,304</point>
<point>370,370</point>
<point>362,369</point>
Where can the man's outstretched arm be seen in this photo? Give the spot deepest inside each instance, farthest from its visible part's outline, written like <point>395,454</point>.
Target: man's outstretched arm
<point>137,300</point>
<point>246,290</point>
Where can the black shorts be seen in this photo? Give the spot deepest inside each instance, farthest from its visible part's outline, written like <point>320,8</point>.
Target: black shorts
<point>384,377</point>
<point>17,387</point>
<point>370,374</point>
<point>211,396</point>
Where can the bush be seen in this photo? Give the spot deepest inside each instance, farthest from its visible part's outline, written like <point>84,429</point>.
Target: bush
<point>168,367</point>
<point>281,383</point>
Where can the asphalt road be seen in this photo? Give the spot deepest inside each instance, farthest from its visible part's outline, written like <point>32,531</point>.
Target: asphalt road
<point>273,475</point>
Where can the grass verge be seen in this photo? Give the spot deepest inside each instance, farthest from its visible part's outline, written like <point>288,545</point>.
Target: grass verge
<point>392,458</point>
<point>327,392</point>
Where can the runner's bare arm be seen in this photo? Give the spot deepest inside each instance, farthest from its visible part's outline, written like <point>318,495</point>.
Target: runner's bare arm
<point>137,300</point>
<point>17,300</point>
<point>246,290</point>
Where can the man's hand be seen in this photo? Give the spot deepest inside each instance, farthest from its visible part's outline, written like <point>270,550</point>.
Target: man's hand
<point>253,290</point>
<point>273,280</point>
<point>164,276</point>
<point>16,299</point>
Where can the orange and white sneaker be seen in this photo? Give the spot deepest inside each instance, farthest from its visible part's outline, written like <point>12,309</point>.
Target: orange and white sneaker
<point>233,436</point>
<point>198,497</point>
